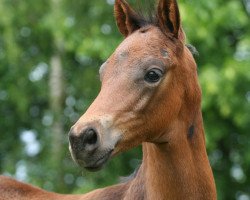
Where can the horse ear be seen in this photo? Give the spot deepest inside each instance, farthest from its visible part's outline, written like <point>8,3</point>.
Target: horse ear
<point>169,18</point>
<point>127,19</point>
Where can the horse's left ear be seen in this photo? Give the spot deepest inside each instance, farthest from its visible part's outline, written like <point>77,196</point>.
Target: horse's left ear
<point>127,19</point>
<point>169,20</point>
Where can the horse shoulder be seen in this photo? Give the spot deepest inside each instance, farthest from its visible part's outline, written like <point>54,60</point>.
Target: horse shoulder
<point>11,189</point>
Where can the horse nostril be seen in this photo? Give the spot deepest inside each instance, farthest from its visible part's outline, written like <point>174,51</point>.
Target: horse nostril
<point>89,137</point>
<point>85,142</point>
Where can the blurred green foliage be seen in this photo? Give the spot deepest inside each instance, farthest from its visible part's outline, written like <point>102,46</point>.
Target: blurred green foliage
<point>84,34</point>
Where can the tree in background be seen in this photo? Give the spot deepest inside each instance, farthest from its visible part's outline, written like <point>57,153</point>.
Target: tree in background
<point>50,52</point>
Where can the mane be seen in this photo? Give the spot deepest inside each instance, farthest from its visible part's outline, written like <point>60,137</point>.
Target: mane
<point>147,12</point>
<point>193,50</point>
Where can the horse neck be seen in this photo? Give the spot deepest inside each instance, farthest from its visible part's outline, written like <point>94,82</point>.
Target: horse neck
<point>178,169</point>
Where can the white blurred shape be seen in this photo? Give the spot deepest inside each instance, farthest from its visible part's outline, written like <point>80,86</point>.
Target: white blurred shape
<point>106,29</point>
<point>25,31</point>
<point>38,73</point>
<point>111,2</point>
<point>237,173</point>
<point>32,146</point>
<point>21,171</point>
<point>47,120</point>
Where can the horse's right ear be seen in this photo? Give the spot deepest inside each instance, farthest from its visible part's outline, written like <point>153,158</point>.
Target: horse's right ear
<point>127,19</point>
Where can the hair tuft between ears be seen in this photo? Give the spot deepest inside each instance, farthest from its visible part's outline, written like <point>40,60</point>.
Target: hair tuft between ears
<point>166,17</point>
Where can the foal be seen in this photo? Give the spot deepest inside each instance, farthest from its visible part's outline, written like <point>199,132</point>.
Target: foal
<point>150,95</point>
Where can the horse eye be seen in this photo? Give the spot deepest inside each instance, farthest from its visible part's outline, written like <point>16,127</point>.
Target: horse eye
<point>153,75</point>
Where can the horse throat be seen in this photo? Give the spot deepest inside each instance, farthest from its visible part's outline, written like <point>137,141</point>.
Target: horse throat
<point>178,169</point>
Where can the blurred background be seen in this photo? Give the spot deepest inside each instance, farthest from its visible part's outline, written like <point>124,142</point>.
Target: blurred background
<point>50,53</point>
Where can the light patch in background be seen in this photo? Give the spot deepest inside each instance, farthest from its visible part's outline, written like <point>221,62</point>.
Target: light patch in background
<point>48,186</point>
<point>83,59</point>
<point>32,146</point>
<point>4,95</point>
<point>21,171</point>
<point>242,196</point>
<point>69,110</point>
<point>71,114</point>
<point>106,29</point>
<point>2,53</point>
<point>70,101</point>
<point>237,173</point>
<point>34,50</point>
<point>38,72</point>
<point>235,156</point>
<point>48,119</point>
<point>248,96</point>
<point>111,2</point>
<point>247,4</point>
<point>215,156</point>
<point>80,182</point>
<point>25,31</point>
<point>243,51</point>
<point>69,179</point>
<point>34,111</point>
<point>69,21</point>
